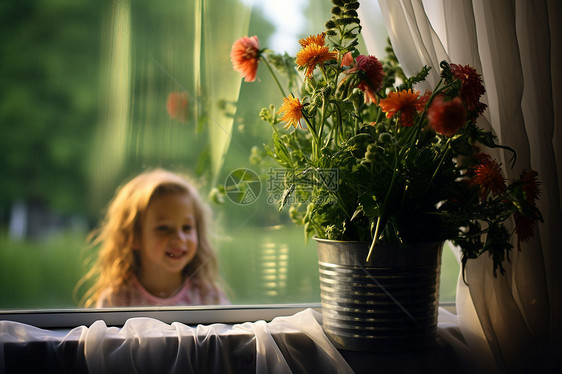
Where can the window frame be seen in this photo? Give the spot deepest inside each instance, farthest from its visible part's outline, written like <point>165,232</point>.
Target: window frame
<point>193,315</point>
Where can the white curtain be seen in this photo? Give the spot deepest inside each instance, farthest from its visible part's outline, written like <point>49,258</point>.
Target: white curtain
<point>512,322</point>
<point>291,344</point>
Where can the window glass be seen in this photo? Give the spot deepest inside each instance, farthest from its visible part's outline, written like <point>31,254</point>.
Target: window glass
<point>84,106</point>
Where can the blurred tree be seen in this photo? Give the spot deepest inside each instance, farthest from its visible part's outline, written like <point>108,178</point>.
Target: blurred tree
<point>48,99</point>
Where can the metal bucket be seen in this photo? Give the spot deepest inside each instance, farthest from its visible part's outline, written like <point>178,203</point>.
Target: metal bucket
<point>389,304</point>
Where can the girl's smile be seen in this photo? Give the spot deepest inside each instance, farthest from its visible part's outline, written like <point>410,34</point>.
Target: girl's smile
<point>176,253</point>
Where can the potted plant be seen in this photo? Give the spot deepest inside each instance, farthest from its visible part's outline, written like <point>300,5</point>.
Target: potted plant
<point>376,170</point>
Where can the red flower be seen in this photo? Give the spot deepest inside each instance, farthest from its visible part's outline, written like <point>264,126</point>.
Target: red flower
<point>482,157</point>
<point>425,98</point>
<point>446,117</point>
<point>489,177</point>
<point>530,186</point>
<point>524,227</point>
<point>245,55</point>
<point>472,87</point>
<point>372,77</point>
<point>177,106</point>
<point>407,102</point>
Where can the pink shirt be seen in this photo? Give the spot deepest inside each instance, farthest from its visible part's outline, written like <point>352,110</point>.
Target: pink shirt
<point>137,295</point>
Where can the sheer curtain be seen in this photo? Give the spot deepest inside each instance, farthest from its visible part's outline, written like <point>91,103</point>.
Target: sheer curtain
<point>512,322</point>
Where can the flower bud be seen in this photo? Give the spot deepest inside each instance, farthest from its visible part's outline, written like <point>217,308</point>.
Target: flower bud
<point>371,152</point>
<point>265,115</point>
<point>255,156</point>
<point>316,100</point>
<point>385,138</point>
<point>216,196</point>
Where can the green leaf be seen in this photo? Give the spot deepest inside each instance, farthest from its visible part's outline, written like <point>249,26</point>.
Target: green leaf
<point>282,154</point>
<point>288,191</point>
<point>358,211</point>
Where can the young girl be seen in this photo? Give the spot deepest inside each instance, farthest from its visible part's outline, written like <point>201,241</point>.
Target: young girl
<point>154,247</point>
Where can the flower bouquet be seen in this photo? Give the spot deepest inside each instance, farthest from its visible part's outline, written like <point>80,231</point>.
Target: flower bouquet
<point>368,157</point>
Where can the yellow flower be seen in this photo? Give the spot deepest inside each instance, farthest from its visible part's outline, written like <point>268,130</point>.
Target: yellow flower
<point>291,112</point>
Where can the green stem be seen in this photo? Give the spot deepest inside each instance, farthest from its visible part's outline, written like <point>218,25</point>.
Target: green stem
<point>274,128</point>
<point>341,204</point>
<point>374,239</point>
<point>445,154</point>
<point>274,76</point>
<point>383,213</point>
<point>338,122</point>
<point>316,142</point>
<point>322,118</point>
<point>447,151</point>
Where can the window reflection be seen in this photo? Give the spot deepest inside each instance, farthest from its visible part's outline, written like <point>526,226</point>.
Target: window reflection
<point>85,105</point>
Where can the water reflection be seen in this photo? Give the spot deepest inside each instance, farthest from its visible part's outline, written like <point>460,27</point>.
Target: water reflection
<point>274,258</point>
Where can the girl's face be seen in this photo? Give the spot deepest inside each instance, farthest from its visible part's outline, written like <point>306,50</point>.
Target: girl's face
<point>168,239</point>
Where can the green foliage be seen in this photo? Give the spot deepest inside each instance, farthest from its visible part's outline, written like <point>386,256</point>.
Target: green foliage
<point>41,276</point>
<point>48,99</point>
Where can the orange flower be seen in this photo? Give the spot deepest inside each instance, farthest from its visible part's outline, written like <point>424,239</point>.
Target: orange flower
<point>177,106</point>
<point>446,117</point>
<point>407,102</point>
<point>318,39</point>
<point>291,112</point>
<point>489,177</point>
<point>312,55</point>
<point>245,55</point>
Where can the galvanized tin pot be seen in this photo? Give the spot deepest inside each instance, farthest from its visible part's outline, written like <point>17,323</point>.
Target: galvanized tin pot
<point>386,305</point>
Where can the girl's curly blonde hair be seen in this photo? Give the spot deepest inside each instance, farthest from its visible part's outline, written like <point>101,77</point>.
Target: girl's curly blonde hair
<point>116,263</point>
